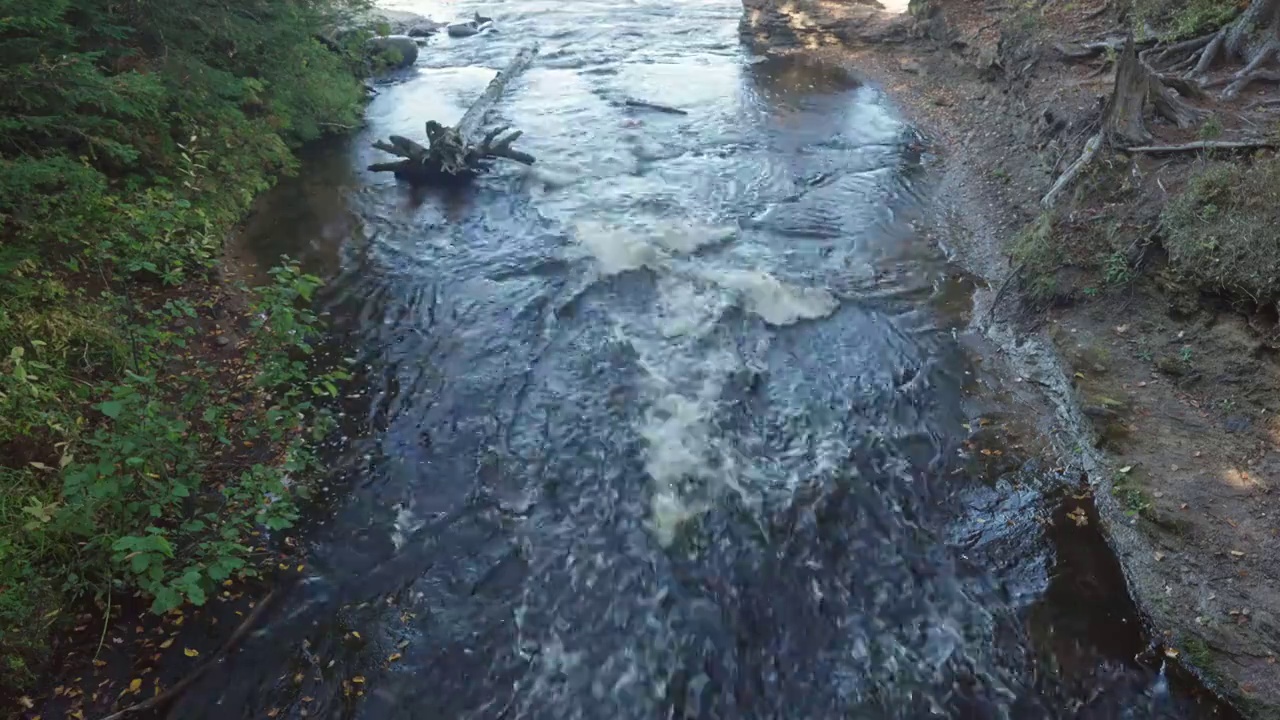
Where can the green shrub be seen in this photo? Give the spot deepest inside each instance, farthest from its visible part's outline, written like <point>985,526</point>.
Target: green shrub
<point>1222,230</point>
<point>133,137</point>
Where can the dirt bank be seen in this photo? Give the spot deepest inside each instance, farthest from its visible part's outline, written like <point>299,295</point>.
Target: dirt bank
<point>1164,387</point>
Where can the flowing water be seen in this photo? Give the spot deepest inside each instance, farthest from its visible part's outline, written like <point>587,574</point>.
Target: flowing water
<point>676,424</point>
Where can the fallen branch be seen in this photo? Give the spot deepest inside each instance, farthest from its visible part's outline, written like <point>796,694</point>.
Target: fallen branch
<point>654,106</point>
<point>1204,145</point>
<point>1067,177</point>
<point>173,692</point>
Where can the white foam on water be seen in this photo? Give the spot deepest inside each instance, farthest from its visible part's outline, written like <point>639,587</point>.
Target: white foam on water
<point>776,302</point>
<point>686,310</point>
<point>406,524</point>
<point>615,249</point>
<point>688,237</point>
<point>685,365</point>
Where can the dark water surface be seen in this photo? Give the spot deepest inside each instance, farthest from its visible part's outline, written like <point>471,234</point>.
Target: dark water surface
<point>675,425</point>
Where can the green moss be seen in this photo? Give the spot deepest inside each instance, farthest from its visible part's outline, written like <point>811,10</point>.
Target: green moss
<point>1040,255</point>
<point>1198,653</point>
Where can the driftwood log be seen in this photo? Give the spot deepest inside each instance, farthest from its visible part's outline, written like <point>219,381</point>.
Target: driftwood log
<point>458,153</point>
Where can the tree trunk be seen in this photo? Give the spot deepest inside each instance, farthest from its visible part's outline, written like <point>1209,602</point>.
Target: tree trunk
<point>458,153</point>
<point>471,122</point>
<point>1123,124</point>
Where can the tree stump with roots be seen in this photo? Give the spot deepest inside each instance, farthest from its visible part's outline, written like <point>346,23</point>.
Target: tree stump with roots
<point>457,154</point>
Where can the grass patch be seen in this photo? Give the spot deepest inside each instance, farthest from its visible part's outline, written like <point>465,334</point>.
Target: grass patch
<point>1180,19</point>
<point>1132,498</point>
<point>1222,231</point>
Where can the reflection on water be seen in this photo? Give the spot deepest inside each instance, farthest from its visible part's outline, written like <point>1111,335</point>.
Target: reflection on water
<point>669,425</point>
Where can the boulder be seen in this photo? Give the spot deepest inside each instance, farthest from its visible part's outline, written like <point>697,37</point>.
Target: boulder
<point>466,28</point>
<point>397,51</point>
<point>398,22</point>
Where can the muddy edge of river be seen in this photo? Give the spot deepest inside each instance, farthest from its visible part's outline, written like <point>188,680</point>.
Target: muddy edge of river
<point>988,122</point>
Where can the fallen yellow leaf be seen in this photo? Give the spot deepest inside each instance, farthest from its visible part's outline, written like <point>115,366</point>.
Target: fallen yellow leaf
<point>135,685</point>
<point>190,652</point>
<point>394,657</point>
<point>355,634</point>
<point>358,679</point>
<point>166,643</point>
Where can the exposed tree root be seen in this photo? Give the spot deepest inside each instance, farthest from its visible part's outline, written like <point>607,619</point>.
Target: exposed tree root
<point>1069,175</point>
<point>1253,38</point>
<point>1123,125</point>
<point>1158,55</point>
<point>1243,81</point>
<point>1210,54</point>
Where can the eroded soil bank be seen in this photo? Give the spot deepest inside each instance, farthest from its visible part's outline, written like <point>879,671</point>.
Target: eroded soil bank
<point>1163,391</point>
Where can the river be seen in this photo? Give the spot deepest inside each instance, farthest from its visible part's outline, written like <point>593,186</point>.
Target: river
<point>680,423</point>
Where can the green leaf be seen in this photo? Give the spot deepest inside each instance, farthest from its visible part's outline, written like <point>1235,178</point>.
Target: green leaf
<point>111,408</point>
<point>166,599</point>
<point>140,563</point>
<point>196,595</point>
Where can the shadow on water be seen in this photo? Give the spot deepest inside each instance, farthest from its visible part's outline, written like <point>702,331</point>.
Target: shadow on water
<point>671,426</point>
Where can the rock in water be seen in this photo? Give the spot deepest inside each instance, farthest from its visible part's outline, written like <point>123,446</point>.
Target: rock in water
<point>467,28</point>
<point>402,50</point>
<point>463,29</point>
<point>424,28</point>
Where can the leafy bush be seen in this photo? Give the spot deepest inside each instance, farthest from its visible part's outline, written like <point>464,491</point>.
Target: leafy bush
<point>133,137</point>
<point>1223,229</point>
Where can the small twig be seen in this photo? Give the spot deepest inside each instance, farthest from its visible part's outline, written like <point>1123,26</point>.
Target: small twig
<point>173,692</point>
<point>1203,145</point>
<point>1262,103</point>
<point>106,620</point>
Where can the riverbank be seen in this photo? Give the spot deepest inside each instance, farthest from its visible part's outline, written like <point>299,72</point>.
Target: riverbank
<point>1155,353</point>
<point>156,414</point>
